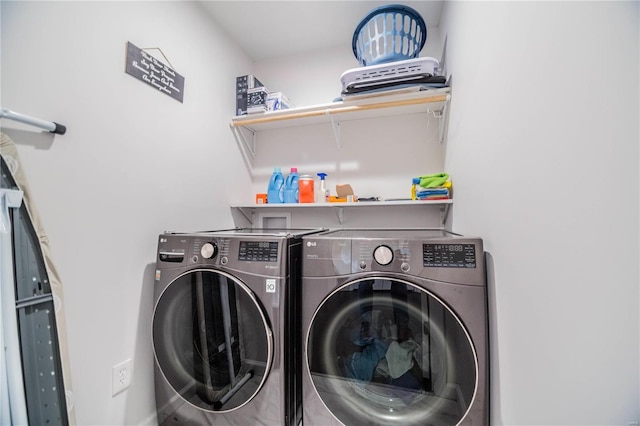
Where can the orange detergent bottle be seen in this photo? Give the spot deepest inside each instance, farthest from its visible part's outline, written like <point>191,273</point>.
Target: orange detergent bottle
<point>306,186</point>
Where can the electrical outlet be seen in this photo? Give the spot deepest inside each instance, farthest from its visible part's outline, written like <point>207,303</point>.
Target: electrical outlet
<point>120,377</point>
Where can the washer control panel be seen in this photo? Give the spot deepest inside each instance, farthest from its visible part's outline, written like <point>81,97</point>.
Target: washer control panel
<point>387,255</point>
<point>258,251</point>
<point>449,255</point>
<point>204,250</point>
<point>250,255</point>
<point>171,249</point>
<point>404,256</point>
<point>433,254</point>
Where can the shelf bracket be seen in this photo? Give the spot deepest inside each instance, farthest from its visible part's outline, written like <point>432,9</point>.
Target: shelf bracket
<point>336,129</point>
<point>444,214</point>
<point>247,213</point>
<point>441,115</point>
<point>340,214</point>
<point>242,140</point>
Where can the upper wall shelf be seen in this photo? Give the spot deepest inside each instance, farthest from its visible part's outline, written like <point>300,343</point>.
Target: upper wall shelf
<point>434,101</point>
<point>370,107</point>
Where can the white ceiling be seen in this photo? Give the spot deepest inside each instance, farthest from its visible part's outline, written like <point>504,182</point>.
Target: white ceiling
<point>269,29</point>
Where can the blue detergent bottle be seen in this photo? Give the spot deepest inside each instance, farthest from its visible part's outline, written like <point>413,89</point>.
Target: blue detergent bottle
<point>291,193</point>
<point>275,190</point>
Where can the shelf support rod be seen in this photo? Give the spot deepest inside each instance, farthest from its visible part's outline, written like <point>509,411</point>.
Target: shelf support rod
<point>336,129</point>
<point>444,214</point>
<point>340,214</point>
<point>240,138</point>
<point>244,147</point>
<point>441,116</point>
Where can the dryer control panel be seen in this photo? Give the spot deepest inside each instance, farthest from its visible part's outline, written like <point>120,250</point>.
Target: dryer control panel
<point>248,254</point>
<point>258,251</point>
<point>432,254</point>
<point>449,255</point>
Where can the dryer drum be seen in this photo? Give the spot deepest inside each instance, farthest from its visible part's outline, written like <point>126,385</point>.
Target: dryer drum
<point>393,352</point>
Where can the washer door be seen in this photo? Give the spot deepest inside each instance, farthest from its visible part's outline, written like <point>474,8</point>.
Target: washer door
<point>211,340</point>
<point>391,352</point>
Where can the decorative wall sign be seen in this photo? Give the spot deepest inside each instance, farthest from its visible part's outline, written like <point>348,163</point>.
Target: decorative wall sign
<point>153,72</point>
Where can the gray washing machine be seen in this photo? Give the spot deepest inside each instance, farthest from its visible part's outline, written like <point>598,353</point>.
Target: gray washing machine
<point>226,334</point>
<point>395,328</point>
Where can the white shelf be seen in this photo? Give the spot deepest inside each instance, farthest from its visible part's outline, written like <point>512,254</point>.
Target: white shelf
<point>249,210</point>
<point>359,204</point>
<point>371,106</point>
<point>366,107</point>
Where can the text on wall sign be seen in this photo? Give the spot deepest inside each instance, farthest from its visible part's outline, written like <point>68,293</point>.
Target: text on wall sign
<point>150,70</point>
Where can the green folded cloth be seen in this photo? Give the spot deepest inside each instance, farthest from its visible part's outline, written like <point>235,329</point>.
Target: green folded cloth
<point>433,181</point>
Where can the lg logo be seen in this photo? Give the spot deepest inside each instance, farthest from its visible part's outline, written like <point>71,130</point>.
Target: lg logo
<point>311,243</point>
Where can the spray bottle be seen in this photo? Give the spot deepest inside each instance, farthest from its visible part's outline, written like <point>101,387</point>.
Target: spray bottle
<point>323,192</point>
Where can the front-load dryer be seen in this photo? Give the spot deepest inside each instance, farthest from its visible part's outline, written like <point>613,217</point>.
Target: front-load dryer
<point>395,328</point>
<point>225,331</point>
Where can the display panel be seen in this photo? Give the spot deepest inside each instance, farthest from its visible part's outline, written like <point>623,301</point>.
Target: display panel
<point>258,251</point>
<point>449,255</point>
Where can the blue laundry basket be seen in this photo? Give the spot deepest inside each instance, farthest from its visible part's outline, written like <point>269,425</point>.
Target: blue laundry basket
<point>389,33</point>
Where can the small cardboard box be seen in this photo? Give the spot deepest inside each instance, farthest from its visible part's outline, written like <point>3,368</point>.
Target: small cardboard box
<point>343,191</point>
<point>257,100</point>
<point>277,101</point>
<point>243,84</point>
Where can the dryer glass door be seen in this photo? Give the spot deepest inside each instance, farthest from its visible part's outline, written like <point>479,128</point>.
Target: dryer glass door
<point>211,340</point>
<point>391,352</point>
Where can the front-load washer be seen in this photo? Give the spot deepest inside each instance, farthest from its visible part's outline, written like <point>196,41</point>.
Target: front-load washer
<point>225,333</point>
<point>395,328</point>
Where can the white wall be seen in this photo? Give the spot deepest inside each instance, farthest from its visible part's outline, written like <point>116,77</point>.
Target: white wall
<point>134,162</point>
<point>543,146</point>
<point>535,161</point>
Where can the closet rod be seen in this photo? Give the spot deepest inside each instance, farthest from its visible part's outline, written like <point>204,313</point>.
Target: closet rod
<point>47,125</point>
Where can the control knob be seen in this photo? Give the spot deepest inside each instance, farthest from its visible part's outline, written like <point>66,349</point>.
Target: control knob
<point>209,250</point>
<point>383,255</point>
